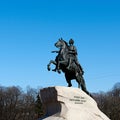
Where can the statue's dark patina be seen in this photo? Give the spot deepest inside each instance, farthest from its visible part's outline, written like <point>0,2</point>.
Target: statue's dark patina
<point>66,61</point>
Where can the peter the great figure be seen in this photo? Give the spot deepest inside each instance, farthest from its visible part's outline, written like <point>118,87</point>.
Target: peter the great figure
<point>67,62</point>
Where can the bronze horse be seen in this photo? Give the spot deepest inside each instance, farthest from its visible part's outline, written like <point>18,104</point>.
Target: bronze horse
<point>62,61</point>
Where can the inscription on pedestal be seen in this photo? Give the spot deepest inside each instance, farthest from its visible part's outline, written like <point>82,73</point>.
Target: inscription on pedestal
<point>78,99</point>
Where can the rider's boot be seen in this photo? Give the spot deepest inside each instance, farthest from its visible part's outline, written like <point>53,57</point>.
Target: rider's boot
<point>69,63</point>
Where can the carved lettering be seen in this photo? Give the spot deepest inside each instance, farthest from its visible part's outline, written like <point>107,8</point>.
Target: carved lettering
<point>78,100</point>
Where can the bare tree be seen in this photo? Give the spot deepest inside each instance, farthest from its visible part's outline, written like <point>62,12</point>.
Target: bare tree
<point>17,105</point>
<point>109,102</point>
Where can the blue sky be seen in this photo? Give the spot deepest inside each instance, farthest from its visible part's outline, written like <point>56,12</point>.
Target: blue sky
<point>29,29</point>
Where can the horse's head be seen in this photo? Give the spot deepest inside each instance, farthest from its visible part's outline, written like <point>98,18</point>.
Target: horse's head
<point>61,43</point>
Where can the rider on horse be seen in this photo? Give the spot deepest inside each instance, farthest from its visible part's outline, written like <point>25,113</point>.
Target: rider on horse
<point>73,56</point>
<point>72,53</point>
<point>66,60</point>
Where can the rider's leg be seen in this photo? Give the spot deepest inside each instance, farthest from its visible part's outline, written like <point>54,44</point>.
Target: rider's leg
<point>69,63</point>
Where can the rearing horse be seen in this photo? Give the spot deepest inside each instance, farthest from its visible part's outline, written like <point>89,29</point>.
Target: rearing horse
<point>62,61</point>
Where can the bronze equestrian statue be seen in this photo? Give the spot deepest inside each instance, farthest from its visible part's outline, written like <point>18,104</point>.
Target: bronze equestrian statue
<point>66,61</point>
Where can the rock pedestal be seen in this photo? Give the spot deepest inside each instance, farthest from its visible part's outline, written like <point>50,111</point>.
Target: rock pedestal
<point>67,103</point>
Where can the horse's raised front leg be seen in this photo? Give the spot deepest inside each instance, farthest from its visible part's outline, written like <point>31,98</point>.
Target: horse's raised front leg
<point>51,61</point>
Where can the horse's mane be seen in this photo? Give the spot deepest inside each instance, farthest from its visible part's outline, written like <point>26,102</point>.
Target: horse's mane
<point>64,42</point>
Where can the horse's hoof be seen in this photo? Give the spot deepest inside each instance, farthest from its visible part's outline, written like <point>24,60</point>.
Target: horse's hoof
<point>69,85</point>
<point>48,68</point>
